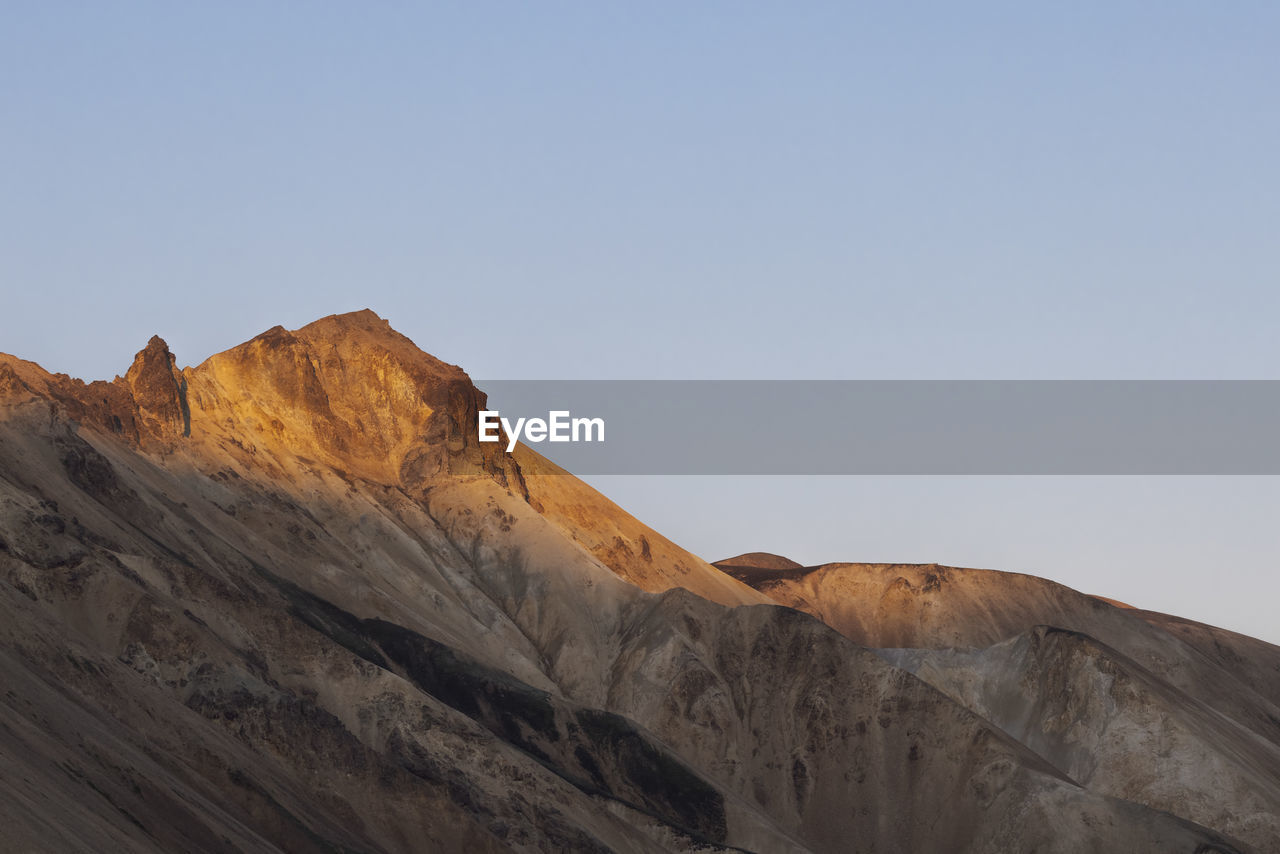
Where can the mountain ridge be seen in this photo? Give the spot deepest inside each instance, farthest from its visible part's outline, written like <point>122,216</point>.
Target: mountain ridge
<point>310,613</point>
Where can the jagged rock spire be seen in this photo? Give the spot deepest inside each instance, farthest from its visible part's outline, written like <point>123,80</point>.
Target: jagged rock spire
<point>159,391</point>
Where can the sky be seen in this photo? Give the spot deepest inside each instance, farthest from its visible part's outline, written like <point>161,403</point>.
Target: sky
<point>715,190</point>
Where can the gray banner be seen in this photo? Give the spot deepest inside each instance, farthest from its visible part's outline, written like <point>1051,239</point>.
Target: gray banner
<point>906,427</point>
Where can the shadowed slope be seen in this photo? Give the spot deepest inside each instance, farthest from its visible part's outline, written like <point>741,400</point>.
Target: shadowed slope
<point>1175,715</point>
<point>932,606</point>
<point>1115,727</point>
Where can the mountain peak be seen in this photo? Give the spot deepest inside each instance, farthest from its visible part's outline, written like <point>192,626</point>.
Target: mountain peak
<point>350,390</point>
<point>758,560</point>
<point>364,324</point>
<point>347,391</point>
<point>365,318</point>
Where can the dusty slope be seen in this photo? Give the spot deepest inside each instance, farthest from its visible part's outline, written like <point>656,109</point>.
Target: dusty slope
<point>281,602</point>
<point>1115,727</point>
<point>1254,662</point>
<point>1175,715</point>
<point>932,606</point>
<point>635,552</point>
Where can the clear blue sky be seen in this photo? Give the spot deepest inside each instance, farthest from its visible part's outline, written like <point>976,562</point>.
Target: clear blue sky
<point>552,190</point>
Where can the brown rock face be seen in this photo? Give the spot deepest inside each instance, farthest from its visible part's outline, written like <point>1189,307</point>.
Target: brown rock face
<point>1137,705</point>
<point>352,392</point>
<point>159,392</point>
<point>11,385</point>
<point>295,606</point>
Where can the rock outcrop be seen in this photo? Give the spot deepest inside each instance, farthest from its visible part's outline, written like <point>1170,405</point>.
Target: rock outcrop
<point>159,393</point>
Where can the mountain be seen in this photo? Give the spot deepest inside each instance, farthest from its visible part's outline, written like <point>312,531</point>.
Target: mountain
<point>285,601</point>
<point>753,568</point>
<point>1176,715</point>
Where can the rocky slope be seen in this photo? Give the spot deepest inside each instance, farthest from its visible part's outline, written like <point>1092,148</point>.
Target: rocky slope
<point>1157,710</point>
<point>284,601</point>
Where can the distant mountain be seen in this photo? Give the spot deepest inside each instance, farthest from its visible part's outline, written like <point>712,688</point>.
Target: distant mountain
<point>285,601</point>
<point>1172,714</point>
<point>758,560</point>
